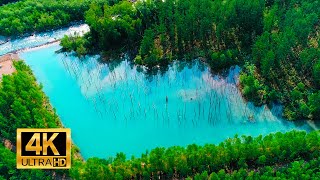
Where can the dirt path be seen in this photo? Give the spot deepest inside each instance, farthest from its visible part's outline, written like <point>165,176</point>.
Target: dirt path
<point>6,64</point>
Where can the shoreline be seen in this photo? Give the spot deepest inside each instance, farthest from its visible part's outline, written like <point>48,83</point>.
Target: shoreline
<point>79,156</point>
<point>6,60</point>
<point>42,38</point>
<point>6,64</point>
<point>33,47</point>
<point>15,55</point>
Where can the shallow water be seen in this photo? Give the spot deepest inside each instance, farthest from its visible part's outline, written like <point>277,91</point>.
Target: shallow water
<point>117,107</point>
<point>41,38</point>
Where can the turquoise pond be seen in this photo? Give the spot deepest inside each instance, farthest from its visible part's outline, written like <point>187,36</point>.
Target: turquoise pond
<point>118,107</point>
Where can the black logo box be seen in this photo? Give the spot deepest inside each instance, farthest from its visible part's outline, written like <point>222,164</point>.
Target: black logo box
<point>60,142</point>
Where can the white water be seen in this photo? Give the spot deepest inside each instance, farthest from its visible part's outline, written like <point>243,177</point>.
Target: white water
<point>41,38</point>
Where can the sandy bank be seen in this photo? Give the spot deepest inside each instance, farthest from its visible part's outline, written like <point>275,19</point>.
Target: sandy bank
<point>6,63</point>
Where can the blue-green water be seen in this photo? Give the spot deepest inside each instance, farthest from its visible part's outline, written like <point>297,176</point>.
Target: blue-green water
<point>116,107</point>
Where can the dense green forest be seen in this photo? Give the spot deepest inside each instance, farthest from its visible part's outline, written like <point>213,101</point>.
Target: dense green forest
<point>285,60</point>
<point>6,1</point>
<point>162,31</point>
<point>8,168</point>
<point>23,105</point>
<point>275,41</point>
<point>29,16</point>
<point>290,155</point>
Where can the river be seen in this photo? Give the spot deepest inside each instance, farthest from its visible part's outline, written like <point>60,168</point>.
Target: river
<point>119,107</point>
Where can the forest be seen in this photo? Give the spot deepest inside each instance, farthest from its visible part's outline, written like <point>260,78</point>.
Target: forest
<point>30,16</point>
<point>23,105</point>
<point>6,1</point>
<point>275,42</point>
<point>8,167</point>
<point>293,155</point>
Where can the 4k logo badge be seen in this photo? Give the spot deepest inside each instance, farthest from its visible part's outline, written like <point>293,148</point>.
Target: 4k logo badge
<point>43,148</point>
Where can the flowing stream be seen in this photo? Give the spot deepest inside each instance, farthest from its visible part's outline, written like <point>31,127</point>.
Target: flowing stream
<point>41,38</point>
